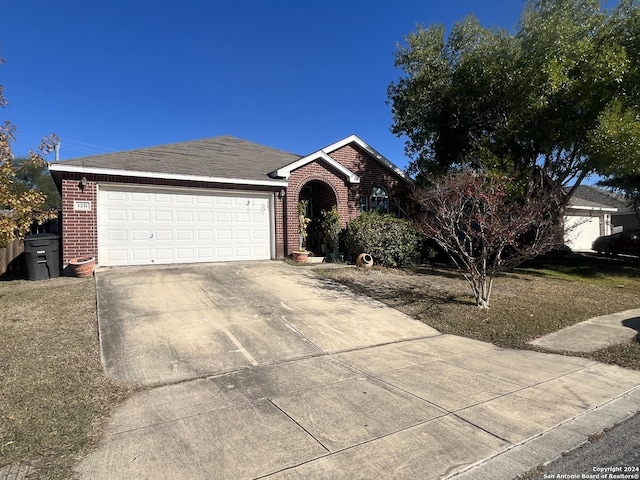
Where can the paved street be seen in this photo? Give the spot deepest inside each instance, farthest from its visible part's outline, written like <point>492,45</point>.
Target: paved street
<point>617,451</point>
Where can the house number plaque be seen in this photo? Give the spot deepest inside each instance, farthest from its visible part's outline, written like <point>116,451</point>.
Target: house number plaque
<point>82,205</point>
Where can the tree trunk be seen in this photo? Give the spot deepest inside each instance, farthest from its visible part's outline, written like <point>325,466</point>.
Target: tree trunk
<point>483,291</point>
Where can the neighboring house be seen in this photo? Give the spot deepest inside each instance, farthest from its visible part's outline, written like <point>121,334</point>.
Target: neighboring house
<point>217,199</point>
<point>594,212</point>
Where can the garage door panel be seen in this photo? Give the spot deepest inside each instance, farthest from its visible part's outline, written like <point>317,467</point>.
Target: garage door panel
<point>174,226</point>
<point>138,215</point>
<point>206,252</point>
<point>204,235</point>
<point>117,215</point>
<point>117,255</point>
<point>141,235</point>
<point>141,255</point>
<point>205,200</point>
<point>224,234</point>
<point>184,235</point>
<point>184,216</point>
<point>115,196</point>
<point>163,235</point>
<point>162,216</point>
<point>163,255</point>
<point>204,217</point>
<point>117,235</point>
<point>184,199</point>
<point>137,197</point>
<point>260,235</point>
<point>186,254</point>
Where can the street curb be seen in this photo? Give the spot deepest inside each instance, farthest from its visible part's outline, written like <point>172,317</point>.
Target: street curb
<point>544,448</point>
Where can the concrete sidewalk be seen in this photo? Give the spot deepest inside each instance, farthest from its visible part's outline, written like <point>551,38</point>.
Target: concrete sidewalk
<point>375,394</point>
<point>593,334</point>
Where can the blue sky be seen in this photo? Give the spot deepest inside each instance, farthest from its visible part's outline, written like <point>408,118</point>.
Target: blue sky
<point>293,75</point>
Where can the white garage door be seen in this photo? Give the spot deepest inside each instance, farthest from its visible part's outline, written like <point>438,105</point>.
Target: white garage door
<point>142,226</point>
<point>583,231</point>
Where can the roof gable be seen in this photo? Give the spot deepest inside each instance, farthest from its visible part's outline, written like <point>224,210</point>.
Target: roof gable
<point>285,171</point>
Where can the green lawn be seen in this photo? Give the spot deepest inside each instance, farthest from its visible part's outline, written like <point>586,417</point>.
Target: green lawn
<point>538,298</point>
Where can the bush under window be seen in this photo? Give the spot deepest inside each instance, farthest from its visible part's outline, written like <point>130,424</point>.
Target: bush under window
<point>392,241</point>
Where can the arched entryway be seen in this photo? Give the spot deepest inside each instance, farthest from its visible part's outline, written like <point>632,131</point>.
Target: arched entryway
<point>318,196</point>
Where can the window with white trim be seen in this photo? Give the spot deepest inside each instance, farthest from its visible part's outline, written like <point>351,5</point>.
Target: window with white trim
<point>379,199</point>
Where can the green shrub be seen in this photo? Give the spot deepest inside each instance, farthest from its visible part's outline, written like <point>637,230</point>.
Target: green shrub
<point>391,241</point>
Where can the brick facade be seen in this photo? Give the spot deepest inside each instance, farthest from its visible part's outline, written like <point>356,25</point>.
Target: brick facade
<point>372,173</point>
<point>328,185</point>
<point>345,195</point>
<point>79,227</point>
<point>334,184</point>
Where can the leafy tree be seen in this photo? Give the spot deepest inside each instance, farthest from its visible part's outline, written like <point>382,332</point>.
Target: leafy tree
<point>629,187</point>
<point>486,225</point>
<point>20,205</point>
<point>34,176</point>
<point>561,93</point>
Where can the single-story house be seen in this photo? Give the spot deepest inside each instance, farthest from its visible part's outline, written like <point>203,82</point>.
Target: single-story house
<point>217,199</point>
<point>594,212</point>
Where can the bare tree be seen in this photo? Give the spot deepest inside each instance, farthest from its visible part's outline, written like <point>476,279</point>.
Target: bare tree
<point>487,224</point>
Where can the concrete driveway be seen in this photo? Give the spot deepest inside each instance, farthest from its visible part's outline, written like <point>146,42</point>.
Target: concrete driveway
<point>162,325</point>
<point>265,370</point>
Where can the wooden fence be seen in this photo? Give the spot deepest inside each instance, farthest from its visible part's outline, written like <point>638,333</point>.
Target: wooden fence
<point>9,261</point>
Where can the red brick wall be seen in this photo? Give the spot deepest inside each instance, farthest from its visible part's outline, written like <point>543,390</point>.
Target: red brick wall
<point>79,228</point>
<point>318,171</point>
<point>370,171</point>
<point>279,225</point>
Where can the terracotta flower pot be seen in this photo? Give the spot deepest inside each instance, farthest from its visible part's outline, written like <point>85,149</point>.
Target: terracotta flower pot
<point>82,266</point>
<point>300,256</point>
<point>364,260</point>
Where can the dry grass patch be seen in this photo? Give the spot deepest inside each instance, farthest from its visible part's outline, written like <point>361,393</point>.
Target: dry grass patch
<point>53,395</point>
<point>530,302</point>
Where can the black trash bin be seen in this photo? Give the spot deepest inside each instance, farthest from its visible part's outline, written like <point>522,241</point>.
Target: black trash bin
<point>42,256</point>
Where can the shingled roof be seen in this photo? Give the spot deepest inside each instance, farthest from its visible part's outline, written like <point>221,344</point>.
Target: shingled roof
<point>222,157</point>
<point>589,196</point>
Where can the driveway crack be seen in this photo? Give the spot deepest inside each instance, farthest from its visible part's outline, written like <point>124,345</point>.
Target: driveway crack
<point>299,425</point>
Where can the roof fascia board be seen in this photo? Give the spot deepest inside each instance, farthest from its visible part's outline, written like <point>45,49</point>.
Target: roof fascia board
<point>372,151</point>
<point>600,209</point>
<point>285,172</point>
<point>57,167</point>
